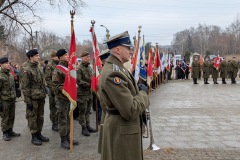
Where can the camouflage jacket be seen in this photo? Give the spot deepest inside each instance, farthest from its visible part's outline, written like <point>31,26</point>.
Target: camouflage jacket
<point>84,74</point>
<point>49,71</point>
<point>58,78</point>
<point>7,86</point>
<point>32,82</point>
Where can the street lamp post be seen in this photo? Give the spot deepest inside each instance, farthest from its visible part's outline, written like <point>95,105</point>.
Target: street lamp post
<point>107,35</point>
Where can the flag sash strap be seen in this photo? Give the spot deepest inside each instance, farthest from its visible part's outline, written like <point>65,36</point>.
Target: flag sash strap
<point>62,68</point>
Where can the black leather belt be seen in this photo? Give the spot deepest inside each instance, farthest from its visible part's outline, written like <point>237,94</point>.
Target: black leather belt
<point>113,112</point>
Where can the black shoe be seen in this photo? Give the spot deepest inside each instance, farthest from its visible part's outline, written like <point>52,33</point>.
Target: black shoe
<point>216,82</point>
<point>75,142</point>
<point>35,140</point>
<point>6,136</point>
<point>13,134</point>
<point>224,83</point>
<point>91,130</point>
<point>85,132</point>
<point>42,138</point>
<point>64,143</point>
<point>207,83</point>
<point>55,127</point>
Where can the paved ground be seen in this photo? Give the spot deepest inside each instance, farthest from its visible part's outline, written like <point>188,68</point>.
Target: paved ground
<point>190,122</point>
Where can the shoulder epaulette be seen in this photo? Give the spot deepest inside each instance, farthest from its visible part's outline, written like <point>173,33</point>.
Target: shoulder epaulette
<point>115,68</point>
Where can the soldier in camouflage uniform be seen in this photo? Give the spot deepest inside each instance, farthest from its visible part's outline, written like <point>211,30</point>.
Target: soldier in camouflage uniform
<point>233,70</point>
<point>62,102</point>
<point>33,87</point>
<point>7,100</point>
<point>224,70</point>
<point>48,77</point>
<point>84,94</point>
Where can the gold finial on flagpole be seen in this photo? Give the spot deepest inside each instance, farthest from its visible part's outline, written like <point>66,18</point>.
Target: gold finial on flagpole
<point>72,13</point>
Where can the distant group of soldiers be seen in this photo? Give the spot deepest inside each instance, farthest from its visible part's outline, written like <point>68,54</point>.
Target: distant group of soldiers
<point>227,69</point>
<point>33,85</point>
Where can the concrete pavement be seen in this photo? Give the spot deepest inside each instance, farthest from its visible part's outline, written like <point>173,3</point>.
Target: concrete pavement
<point>197,122</point>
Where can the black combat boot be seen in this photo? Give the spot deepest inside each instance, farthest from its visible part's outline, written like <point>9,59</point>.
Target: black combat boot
<point>13,134</point>
<point>35,140</point>
<point>85,131</point>
<point>223,81</point>
<point>195,81</point>
<point>207,81</point>
<point>6,136</point>
<point>64,143</point>
<point>75,142</point>
<point>42,138</point>
<point>91,130</point>
<point>55,127</point>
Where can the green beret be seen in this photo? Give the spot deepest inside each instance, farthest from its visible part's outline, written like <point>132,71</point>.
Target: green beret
<point>84,53</point>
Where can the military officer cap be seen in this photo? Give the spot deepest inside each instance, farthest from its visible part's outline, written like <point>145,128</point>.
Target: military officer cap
<point>120,39</point>
<point>104,55</point>
<point>3,60</point>
<point>84,53</point>
<point>61,52</point>
<point>32,52</point>
<point>54,53</point>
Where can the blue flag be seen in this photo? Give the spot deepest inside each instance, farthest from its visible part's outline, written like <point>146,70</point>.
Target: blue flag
<point>143,71</point>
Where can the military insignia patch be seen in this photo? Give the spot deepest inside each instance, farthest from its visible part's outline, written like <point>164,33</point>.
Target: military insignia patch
<point>117,80</point>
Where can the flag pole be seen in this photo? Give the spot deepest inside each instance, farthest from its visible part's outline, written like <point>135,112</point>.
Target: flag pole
<point>72,13</point>
<point>96,101</point>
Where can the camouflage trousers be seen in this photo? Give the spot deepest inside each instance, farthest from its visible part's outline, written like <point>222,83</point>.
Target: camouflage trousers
<point>63,107</point>
<point>52,107</point>
<point>84,106</point>
<point>8,115</point>
<point>35,116</point>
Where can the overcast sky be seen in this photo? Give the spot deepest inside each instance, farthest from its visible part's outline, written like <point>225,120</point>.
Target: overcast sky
<point>159,19</point>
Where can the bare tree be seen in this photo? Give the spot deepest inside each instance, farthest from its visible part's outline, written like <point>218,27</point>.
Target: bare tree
<point>21,14</point>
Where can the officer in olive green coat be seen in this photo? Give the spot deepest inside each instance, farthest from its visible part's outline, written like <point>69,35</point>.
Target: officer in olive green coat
<point>33,87</point>
<point>224,70</point>
<point>206,70</point>
<point>7,100</point>
<point>84,93</point>
<point>233,70</point>
<point>195,70</point>
<point>48,77</point>
<point>122,137</point>
<point>103,56</point>
<point>62,102</point>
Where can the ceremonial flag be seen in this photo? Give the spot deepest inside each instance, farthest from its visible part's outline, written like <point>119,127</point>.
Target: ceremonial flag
<point>136,72</point>
<point>143,71</point>
<point>135,56</point>
<point>149,68</point>
<point>201,59</point>
<point>157,63</point>
<point>169,63</point>
<point>217,62</point>
<point>163,62</point>
<point>97,64</point>
<point>69,86</point>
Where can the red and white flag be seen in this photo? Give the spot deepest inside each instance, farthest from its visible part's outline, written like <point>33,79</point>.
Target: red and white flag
<point>97,63</point>
<point>70,87</point>
<point>216,62</point>
<point>157,62</point>
<point>149,68</point>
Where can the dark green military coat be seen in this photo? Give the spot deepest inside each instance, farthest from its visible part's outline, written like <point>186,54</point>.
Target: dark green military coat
<point>206,69</point>
<point>58,79</point>
<point>84,74</point>
<point>7,86</point>
<point>233,69</point>
<point>223,69</point>
<point>49,71</point>
<point>195,69</point>
<point>122,138</point>
<point>32,82</point>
